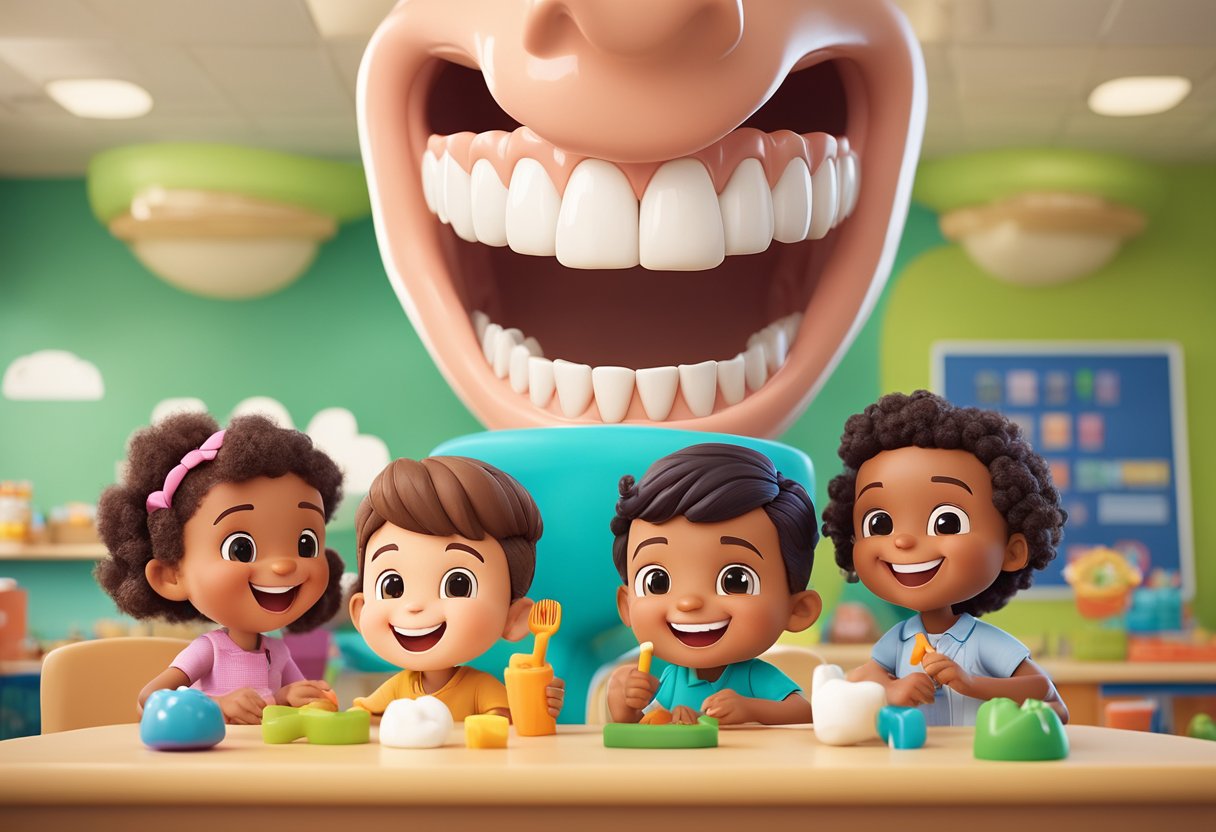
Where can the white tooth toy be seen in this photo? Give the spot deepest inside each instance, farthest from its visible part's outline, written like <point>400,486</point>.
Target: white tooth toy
<point>424,722</point>
<point>844,712</point>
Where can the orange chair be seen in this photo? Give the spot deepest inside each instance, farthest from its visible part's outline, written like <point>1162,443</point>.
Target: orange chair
<point>98,682</point>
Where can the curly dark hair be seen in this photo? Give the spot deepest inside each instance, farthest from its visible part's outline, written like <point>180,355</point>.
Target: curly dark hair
<point>1022,490</point>
<point>253,447</point>
<point>445,495</point>
<point>711,482</point>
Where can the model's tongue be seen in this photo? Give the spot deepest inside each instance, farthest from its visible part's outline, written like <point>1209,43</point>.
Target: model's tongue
<point>275,601</point>
<point>419,644</point>
<point>702,638</point>
<point>914,579</point>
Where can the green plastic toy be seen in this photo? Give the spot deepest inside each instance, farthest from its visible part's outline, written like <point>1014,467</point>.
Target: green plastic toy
<point>281,724</point>
<point>1005,732</point>
<point>1202,727</point>
<point>625,735</point>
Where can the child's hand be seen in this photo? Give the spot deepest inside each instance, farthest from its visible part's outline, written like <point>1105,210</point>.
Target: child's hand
<point>728,707</point>
<point>242,707</point>
<point>946,671</point>
<point>632,687</point>
<point>555,694</point>
<point>683,715</point>
<point>912,690</point>
<point>298,694</point>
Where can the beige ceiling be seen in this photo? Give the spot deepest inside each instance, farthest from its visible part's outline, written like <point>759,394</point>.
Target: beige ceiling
<point>281,74</point>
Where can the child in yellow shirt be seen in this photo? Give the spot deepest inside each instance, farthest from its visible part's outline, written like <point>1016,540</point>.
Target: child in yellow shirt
<point>447,550</point>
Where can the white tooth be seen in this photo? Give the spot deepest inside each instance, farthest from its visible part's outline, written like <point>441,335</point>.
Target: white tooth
<point>613,390</point>
<point>430,175</point>
<point>489,341</point>
<point>855,185</point>
<point>533,346</point>
<point>422,631</point>
<point>532,209</point>
<point>844,183</point>
<point>755,370</point>
<point>441,206</point>
<point>747,209</point>
<point>790,324</point>
<point>680,225</point>
<point>699,386</point>
<point>731,376</point>
<point>823,200</point>
<point>456,199</point>
<point>913,568</point>
<point>518,371</point>
<point>508,339</point>
<point>573,387</point>
<point>775,347</point>
<point>792,203</point>
<point>489,204</point>
<point>699,628</point>
<point>540,381</point>
<point>480,321</point>
<point>597,227</point>
<point>273,590</point>
<point>657,388</point>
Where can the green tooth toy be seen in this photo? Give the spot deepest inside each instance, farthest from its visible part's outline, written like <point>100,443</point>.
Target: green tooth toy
<point>1202,727</point>
<point>703,734</point>
<point>1005,732</point>
<point>281,724</point>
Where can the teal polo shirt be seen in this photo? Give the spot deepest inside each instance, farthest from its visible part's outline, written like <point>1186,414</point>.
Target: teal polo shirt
<point>754,678</point>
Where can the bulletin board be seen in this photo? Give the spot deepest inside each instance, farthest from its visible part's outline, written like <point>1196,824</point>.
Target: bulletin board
<point>1110,419</point>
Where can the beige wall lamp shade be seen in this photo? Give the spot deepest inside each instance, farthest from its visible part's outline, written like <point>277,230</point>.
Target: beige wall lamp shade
<point>223,221</point>
<point>1037,217</point>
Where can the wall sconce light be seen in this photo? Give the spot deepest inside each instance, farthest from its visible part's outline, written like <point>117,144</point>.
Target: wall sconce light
<point>223,221</point>
<point>1036,217</point>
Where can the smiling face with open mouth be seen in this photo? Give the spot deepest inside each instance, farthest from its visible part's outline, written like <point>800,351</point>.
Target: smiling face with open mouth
<point>255,553</point>
<point>430,602</point>
<point>706,594</point>
<point>926,532</point>
<point>607,211</point>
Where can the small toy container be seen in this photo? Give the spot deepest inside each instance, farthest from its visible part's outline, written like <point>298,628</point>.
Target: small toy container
<point>1131,715</point>
<point>526,696</point>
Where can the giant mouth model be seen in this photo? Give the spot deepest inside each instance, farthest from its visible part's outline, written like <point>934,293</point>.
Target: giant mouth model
<point>674,213</point>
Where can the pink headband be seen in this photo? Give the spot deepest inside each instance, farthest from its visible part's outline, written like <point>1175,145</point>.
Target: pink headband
<point>204,453</point>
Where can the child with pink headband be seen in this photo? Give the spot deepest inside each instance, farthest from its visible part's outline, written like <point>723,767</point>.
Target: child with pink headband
<point>226,526</point>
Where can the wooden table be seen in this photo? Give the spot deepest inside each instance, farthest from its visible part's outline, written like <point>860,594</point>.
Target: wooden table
<point>103,778</point>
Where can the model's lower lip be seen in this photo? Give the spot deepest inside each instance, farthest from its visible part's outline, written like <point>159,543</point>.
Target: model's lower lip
<point>699,635</point>
<point>419,640</point>
<point>916,574</point>
<point>275,598</point>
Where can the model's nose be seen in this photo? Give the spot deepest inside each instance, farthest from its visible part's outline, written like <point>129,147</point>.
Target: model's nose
<point>689,603</point>
<point>904,541</point>
<point>283,566</point>
<point>633,28</point>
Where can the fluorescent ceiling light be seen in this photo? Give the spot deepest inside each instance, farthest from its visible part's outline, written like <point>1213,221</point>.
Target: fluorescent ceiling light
<point>1139,95</point>
<point>100,97</point>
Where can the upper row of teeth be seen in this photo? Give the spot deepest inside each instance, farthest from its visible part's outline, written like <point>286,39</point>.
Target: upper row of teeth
<point>698,628</point>
<point>680,223</point>
<point>912,568</point>
<point>521,361</point>
<point>409,633</point>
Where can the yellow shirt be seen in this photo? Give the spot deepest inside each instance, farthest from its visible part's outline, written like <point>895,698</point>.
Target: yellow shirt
<point>468,692</point>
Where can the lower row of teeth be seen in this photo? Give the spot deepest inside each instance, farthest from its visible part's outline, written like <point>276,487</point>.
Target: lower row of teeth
<point>679,224</point>
<point>520,361</point>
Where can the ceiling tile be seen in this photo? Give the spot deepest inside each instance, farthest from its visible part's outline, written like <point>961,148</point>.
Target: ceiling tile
<point>1118,61</point>
<point>193,22</point>
<point>1164,23</point>
<point>51,19</point>
<point>355,19</point>
<point>299,80</point>
<point>1039,22</point>
<point>1054,71</point>
<point>42,60</point>
<point>346,56</point>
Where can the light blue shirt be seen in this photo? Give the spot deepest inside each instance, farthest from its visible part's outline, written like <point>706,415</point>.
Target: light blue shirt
<point>975,646</point>
<point>754,678</point>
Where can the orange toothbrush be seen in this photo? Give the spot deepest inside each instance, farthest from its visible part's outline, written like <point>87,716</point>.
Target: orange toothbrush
<point>544,619</point>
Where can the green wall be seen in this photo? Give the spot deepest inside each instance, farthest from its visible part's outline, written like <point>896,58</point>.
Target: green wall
<point>1162,286</point>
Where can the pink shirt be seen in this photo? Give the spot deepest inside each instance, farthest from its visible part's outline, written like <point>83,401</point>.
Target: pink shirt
<point>215,665</point>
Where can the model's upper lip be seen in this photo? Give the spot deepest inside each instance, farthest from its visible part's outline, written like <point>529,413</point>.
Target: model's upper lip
<point>911,568</point>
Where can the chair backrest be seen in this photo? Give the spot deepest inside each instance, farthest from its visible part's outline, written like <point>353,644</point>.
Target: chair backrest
<point>797,662</point>
<point>98,682</point>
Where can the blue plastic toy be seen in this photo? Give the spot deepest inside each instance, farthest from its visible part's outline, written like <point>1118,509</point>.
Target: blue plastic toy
<point>181,720</point>
<point>901,728</point>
